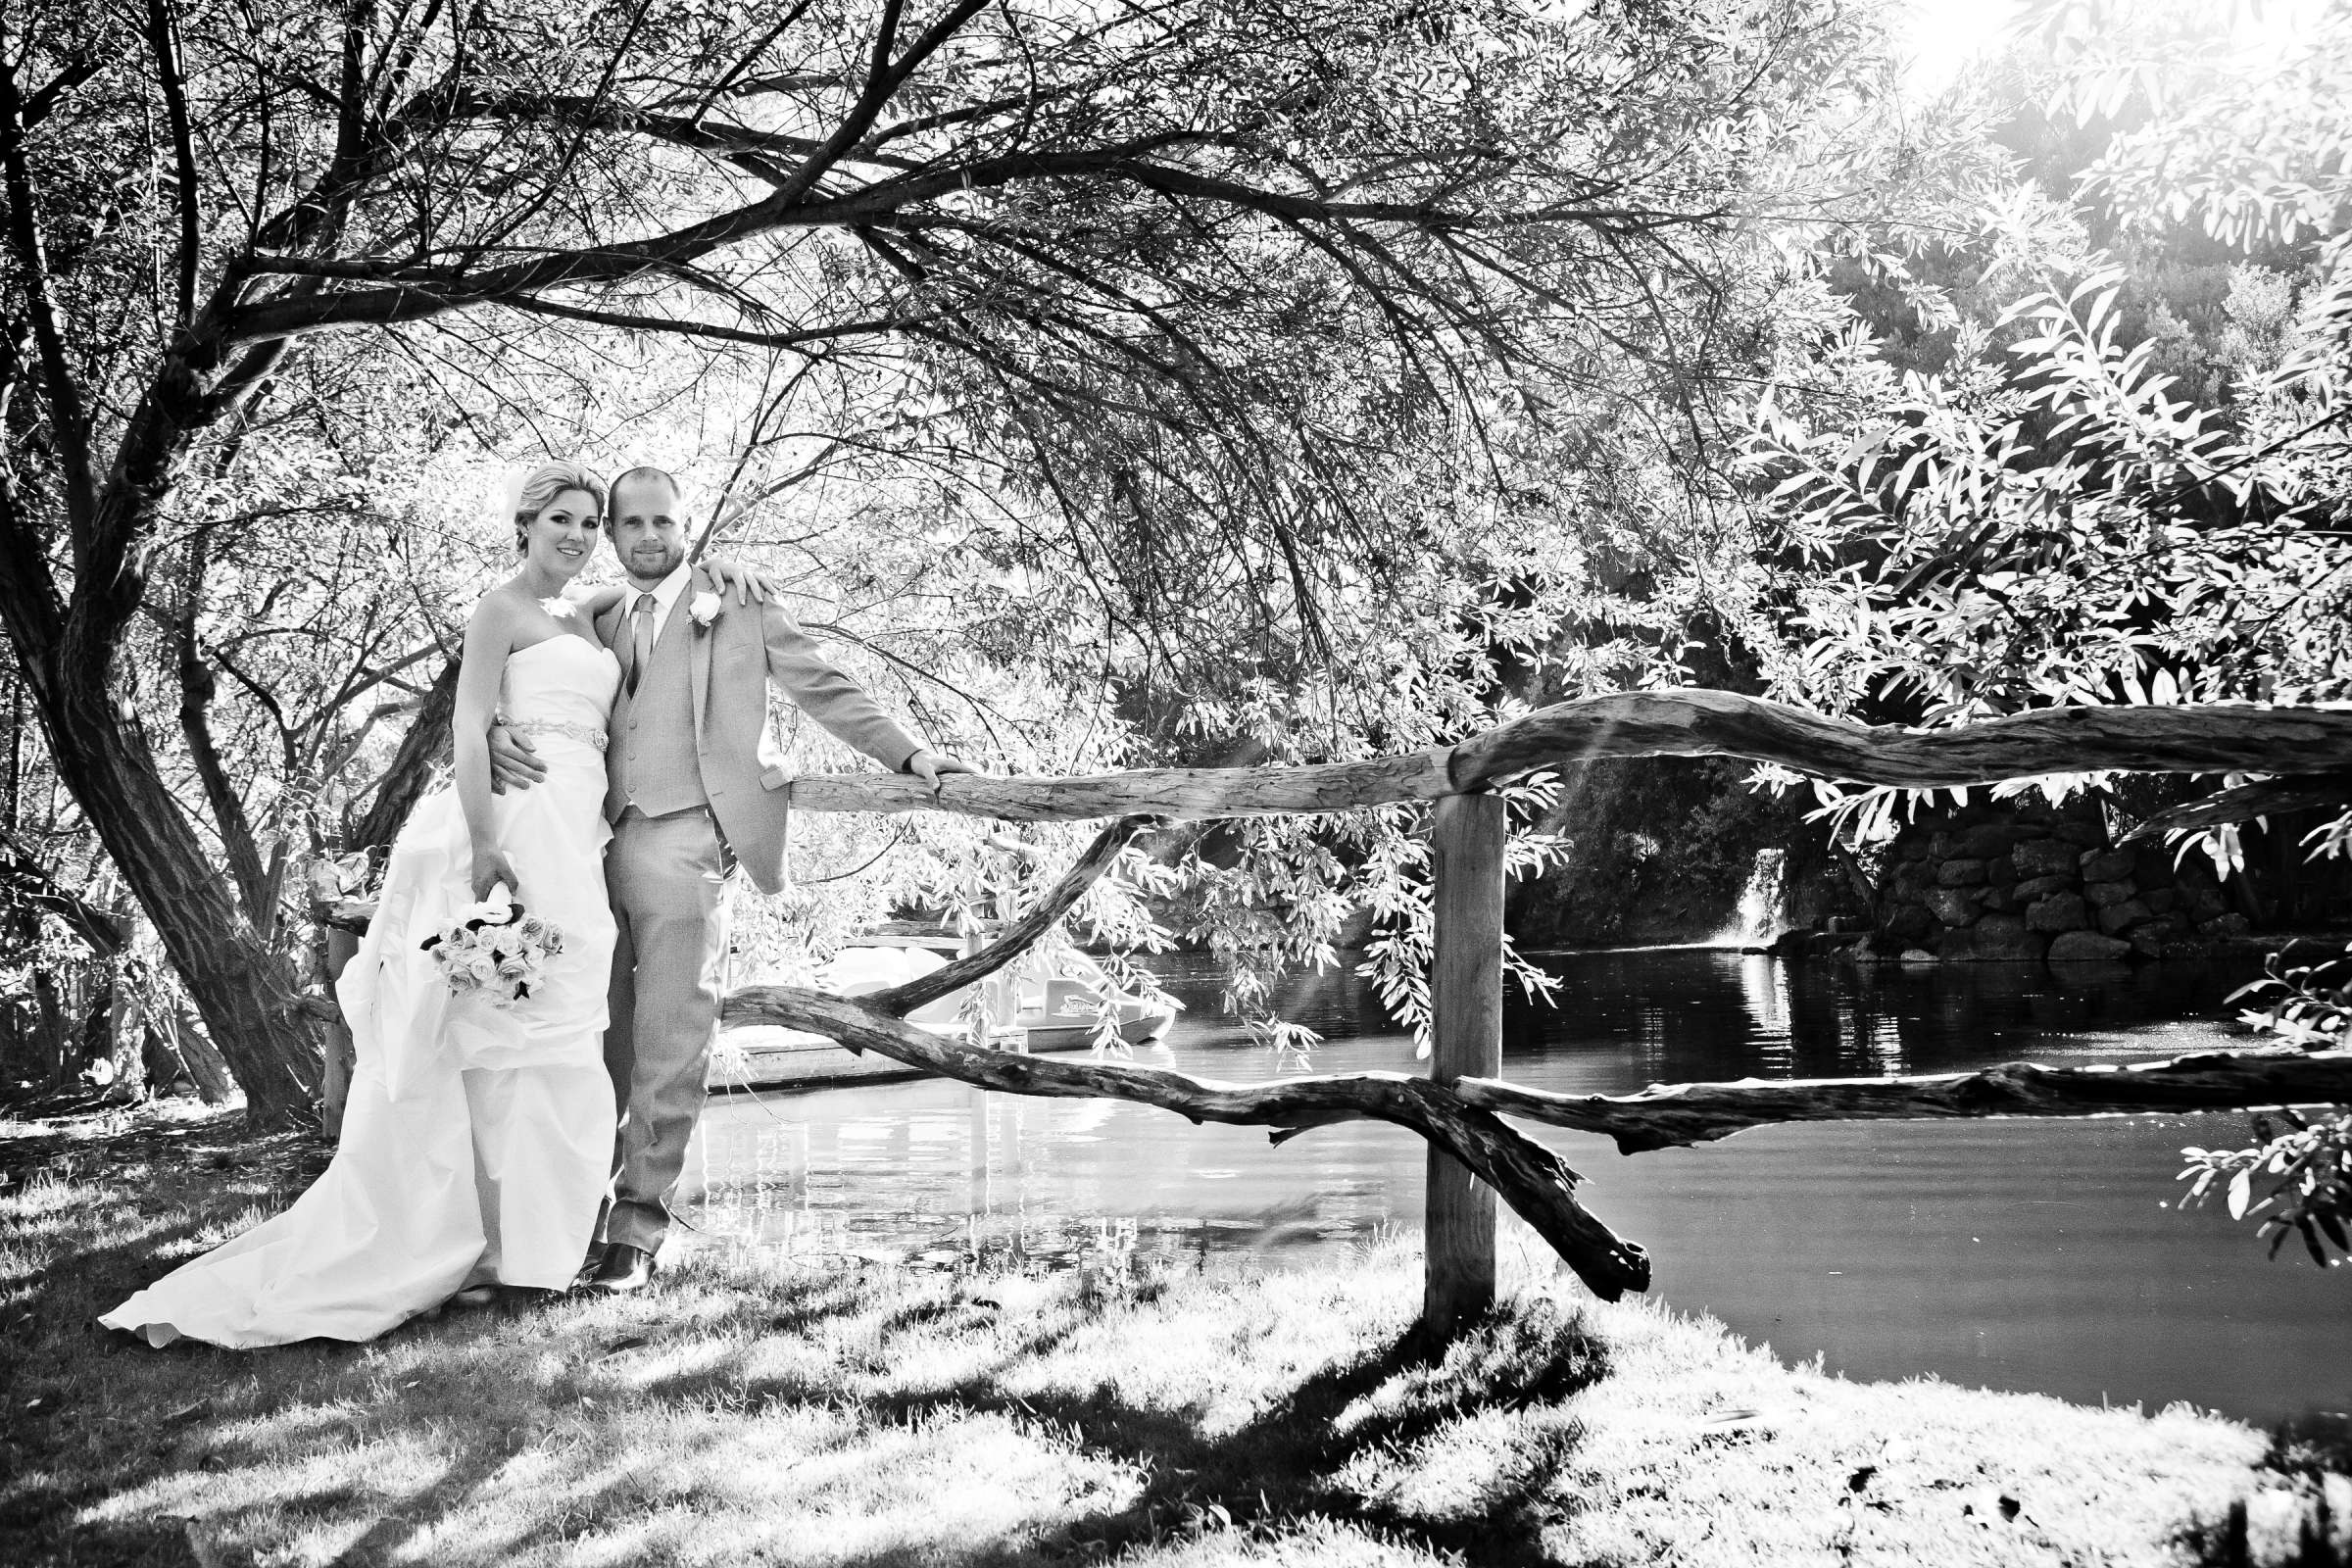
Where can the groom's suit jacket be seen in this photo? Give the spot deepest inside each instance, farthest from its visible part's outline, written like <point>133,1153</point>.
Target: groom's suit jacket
<point>700,734</point>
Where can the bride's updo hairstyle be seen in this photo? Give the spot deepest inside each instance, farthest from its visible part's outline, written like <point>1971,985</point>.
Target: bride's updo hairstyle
<point>542,485</point>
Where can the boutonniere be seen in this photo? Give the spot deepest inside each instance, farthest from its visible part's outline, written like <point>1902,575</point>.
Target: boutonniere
<point>705,610</point>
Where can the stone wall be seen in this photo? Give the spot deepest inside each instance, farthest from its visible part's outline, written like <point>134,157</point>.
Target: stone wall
<point>2003,881</point>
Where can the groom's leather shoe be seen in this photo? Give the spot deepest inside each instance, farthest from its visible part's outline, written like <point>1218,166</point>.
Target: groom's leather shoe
<point>625,1268</point>
<point>591,1263</point>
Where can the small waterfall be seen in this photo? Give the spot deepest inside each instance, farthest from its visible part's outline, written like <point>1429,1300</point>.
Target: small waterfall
<point>1763,911</point>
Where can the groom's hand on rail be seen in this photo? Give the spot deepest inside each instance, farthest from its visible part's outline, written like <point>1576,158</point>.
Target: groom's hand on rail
<point>513,762</point>
<point>928,764</point>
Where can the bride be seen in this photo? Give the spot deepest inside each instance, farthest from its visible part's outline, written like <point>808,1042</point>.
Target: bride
<point>477,1140</point>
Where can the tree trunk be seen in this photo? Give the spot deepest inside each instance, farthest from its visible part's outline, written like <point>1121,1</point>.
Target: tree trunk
<point>238,984</point>
<point>196,1053</point>
<point>411,769</point>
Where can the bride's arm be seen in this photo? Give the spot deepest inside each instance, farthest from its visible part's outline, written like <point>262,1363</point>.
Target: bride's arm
<point>594,602</point>
<point>489,638</point>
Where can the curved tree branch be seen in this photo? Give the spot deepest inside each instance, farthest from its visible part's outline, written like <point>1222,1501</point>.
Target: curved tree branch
<point>162,44</point>
<point>2332,791</point>
<point>1018,937</point>
<point>1537,1184</point>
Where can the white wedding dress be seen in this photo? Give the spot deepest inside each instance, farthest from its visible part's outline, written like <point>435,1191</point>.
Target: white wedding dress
<point>477,1141</point>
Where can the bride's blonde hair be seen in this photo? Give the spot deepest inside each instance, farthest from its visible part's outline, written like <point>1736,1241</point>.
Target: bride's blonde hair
<point>546,482</point>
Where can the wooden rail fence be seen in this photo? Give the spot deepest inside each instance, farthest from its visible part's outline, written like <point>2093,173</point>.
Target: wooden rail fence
<point>1473,1154</point>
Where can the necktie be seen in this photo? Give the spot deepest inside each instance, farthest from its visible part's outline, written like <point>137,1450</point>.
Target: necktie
<point>641,639</point>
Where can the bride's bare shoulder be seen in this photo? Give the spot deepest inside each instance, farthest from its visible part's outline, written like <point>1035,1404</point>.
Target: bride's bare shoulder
<point>498,617</point>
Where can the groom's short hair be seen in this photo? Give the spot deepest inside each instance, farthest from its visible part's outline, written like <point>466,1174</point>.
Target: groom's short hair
<point>646,475</point>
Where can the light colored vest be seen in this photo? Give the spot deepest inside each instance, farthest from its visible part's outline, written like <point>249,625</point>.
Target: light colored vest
<point>650,756</point>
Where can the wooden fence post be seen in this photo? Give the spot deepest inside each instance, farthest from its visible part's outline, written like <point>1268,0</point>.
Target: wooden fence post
<point>1465,995</point>
<point>341,947</point>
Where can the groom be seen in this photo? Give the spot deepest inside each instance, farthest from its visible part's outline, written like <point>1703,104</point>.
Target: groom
<point>694,789</point>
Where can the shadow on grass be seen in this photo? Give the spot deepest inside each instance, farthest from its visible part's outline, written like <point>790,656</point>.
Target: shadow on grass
<point>2299,1524</point>
<point>1284,1468</point>
<point>101,1428</point>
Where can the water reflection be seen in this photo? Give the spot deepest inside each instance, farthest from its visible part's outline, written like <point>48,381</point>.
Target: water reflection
<point>2018,1254</point>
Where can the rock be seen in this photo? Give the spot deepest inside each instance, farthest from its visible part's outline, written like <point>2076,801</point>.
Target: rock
<point>2004,936</point>
<point>2000,870</point>
<point>2080,946</point>
<point>2060,911</point>
<point>1917,955</point>
<point>2203,904</point>
<point>1961,875</point>
<point>1942,846</point>
<point>1988,840</point>
<point>2222,927</point>
<point>2116,918</point>
<point>1958,945</point>
<point>2158,901</point>
<point>2041,887</point>
<point>2001,901</point>
<point>1952,905</point>
<point>2043,857</point>
<point>1911,879</point>
<point>2152,865</point>
<point>1911,846</point>
<point>1906,923</point>
<point>2080,832</point>
<point>2107,866</point>
<point>2099,895</point>
<point>2163,938</point>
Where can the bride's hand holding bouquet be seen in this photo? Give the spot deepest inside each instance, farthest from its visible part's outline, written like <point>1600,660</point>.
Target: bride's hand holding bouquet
<point>494,948</point>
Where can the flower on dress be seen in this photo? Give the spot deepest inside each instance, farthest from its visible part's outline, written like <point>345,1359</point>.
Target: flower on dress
<point>704,608</point>
<point>560,607</point>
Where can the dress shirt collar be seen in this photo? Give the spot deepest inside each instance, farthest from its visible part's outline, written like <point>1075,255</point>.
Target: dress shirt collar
<point>666,594</point>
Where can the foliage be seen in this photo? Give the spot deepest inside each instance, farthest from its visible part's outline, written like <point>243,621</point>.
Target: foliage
<point>2304,1167</point>
<point>2039,512</point>
<point>1094,372</point>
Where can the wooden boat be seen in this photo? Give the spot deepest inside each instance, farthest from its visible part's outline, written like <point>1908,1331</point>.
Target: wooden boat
<point>1026,1013</point>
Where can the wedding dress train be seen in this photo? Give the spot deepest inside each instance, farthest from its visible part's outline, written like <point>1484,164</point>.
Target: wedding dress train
<point>477,1141</point>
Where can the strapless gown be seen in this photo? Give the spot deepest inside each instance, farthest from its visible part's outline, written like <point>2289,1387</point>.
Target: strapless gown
<point>477,1141</point>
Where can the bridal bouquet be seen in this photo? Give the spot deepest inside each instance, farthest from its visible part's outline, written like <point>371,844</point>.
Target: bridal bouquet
<point>494,949</point>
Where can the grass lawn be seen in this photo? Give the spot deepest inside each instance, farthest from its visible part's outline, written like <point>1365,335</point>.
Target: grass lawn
<point>846,1414</point>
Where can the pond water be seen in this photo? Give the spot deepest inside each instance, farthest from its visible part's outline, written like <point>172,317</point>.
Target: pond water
<point>2011,1255</point>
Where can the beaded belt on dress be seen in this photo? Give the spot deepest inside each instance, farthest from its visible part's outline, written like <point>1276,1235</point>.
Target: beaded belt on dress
<point>588,734</point>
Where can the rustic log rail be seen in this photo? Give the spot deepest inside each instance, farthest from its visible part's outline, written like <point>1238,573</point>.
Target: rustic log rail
<point>1674,1116</point>
<point>1458,1108</point>
<point>2203,739</point>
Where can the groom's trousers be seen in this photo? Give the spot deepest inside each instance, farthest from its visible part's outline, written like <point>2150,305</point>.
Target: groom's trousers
<point>667,879</point>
